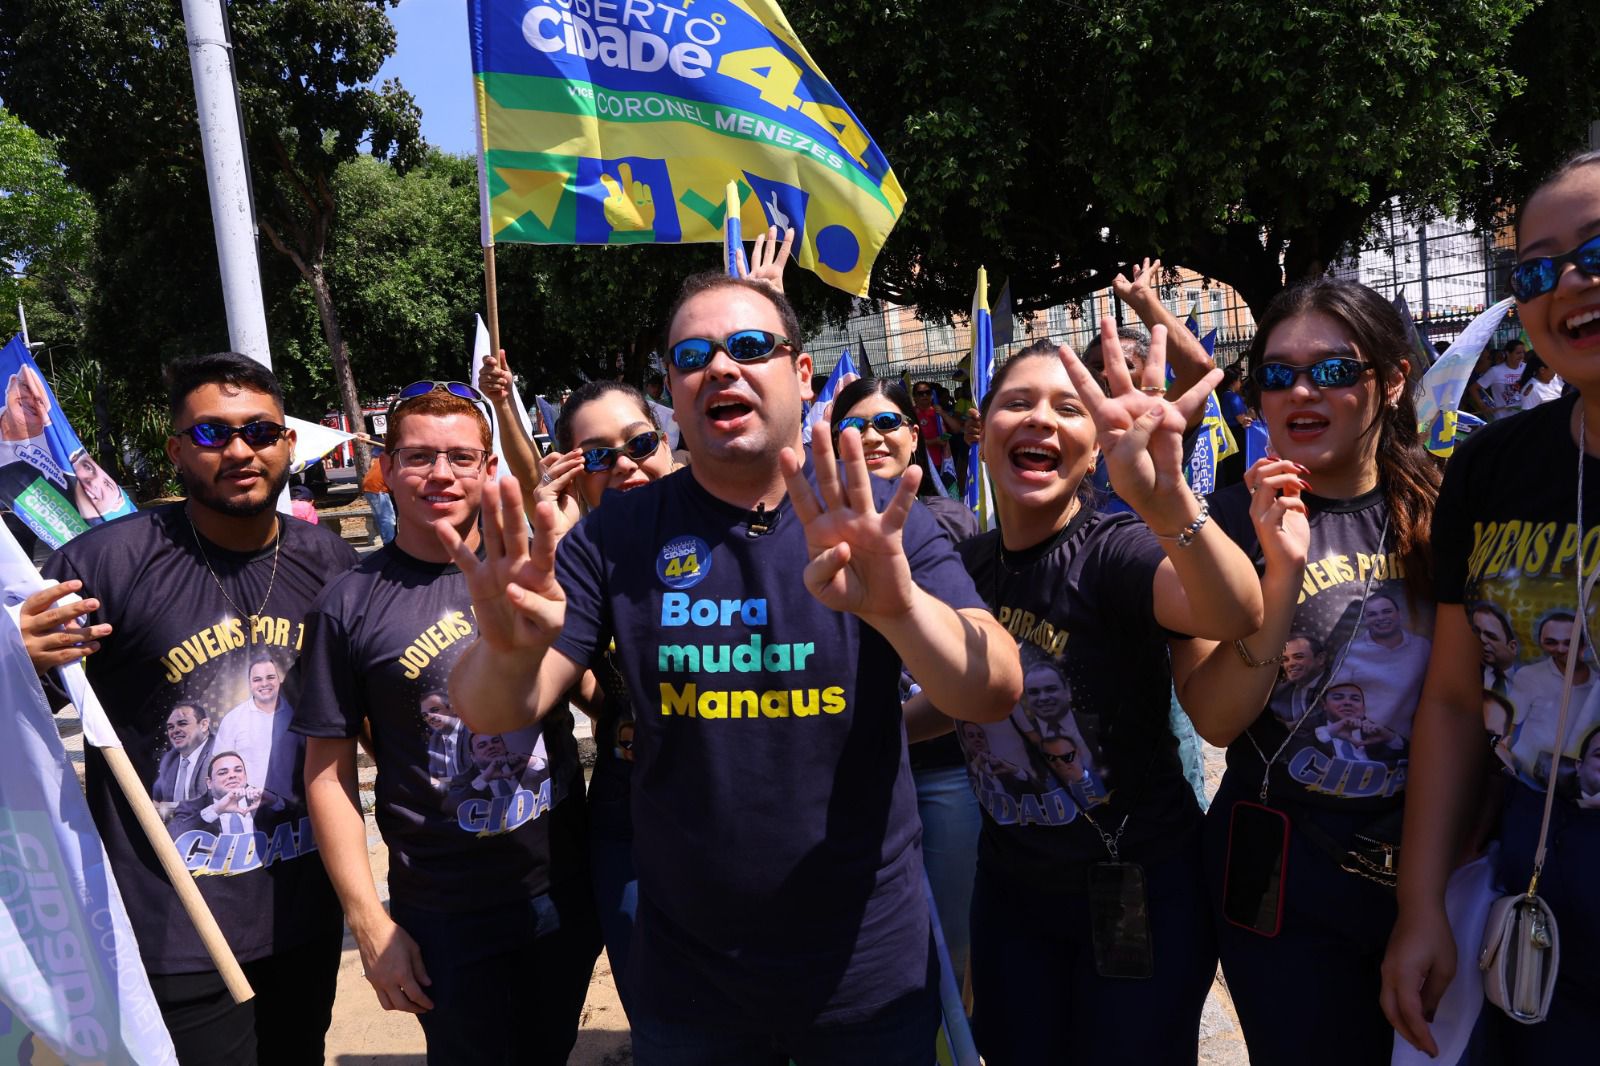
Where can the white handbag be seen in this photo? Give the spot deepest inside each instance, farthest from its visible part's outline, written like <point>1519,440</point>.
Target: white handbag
<point>1521,944</point>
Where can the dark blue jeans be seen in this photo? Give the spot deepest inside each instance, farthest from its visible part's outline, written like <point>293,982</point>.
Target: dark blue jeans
<point>508,982</point>
<point>1571,885</point>
<point>616,897</point>
<point>1036,995</point>
<point>903,1034</point>
<point>1310,994</point>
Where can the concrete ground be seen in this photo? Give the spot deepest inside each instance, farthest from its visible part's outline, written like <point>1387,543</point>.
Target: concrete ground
<point>363,1034</point>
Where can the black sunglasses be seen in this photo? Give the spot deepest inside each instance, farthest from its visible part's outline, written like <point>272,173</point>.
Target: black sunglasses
<point>744,346</point>
<point>885,422</point>
<point>1069,757</point>
<point>258,434</point>
<point>1534,277</point>
<point>1339,372</point>
<point>637,448</point>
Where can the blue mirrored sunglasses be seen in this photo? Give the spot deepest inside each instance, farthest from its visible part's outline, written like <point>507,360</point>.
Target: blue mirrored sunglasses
<point>885,422</point>
<point>1339,372</point>
<point>258,434</point>
<point>745,346</point>
<point>638,448</point>
<point>1533,278</point>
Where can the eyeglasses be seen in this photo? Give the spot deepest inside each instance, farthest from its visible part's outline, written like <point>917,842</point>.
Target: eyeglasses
<point>885,422</point>
<point>464,462</point>
<point>258,434</point>
<point>1339,372</point>
<point>1533,278</point>
<point>745,346</point>
<point>638,448</point>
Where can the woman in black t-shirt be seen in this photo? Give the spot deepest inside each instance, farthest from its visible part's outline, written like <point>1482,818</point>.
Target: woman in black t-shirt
<point>1517,529</point>
<point>1315,709</point>
<point>1088,865</point>
<point>608,439</point>
<point>950,818</point>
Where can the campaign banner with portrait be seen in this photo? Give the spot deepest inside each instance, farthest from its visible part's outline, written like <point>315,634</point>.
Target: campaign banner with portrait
<point>48,480</point>
<point>620,122</point>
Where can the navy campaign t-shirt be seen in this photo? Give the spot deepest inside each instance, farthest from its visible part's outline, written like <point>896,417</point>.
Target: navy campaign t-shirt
<point>610,816</point>
<point>1507,543</point>
<point>201,699</point>
<point>471,820</point>
<point>1091,732</point>
<point>776,831</point>
<point>1353,674</point>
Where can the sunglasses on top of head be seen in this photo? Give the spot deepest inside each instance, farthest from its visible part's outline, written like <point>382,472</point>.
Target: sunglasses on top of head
<point>258,434</point>
<point>459,389</point>
<point>1532,278</point>
<point>638,448</point>
<point>885,422</point>
<point>1338,372</point>
<point>744,346</point>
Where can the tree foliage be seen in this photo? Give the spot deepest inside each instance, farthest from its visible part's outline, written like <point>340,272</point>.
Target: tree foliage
<point>46,231</point>
<point>1054,141</point>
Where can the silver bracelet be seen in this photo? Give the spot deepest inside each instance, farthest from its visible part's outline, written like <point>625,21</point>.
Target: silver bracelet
<point>1186,535</point>
<point>1252,661</point>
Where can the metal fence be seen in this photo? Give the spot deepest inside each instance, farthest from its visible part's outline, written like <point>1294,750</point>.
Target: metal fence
<point>1447,271</point>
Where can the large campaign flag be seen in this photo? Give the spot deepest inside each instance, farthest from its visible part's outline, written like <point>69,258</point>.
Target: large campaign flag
<point>844,372</point>
<point>1439,418</point>
<point>70,975</point>
<point>980,496</point>
<point>1214,441</point>
<point>48,480</point>
<point>623,124</point>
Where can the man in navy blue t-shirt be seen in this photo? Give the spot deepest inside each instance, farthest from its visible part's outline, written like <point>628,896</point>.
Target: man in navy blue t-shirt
<point>761,611</point>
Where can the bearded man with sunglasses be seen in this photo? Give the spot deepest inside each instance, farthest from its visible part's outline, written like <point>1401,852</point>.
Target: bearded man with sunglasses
<point>490,937</point>
<point>180,600</point>
<point>761,607</point>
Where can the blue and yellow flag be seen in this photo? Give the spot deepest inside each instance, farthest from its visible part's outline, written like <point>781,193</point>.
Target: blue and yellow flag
<point>980,495</point>
<point>603,123</point>
<point>1213,442</point>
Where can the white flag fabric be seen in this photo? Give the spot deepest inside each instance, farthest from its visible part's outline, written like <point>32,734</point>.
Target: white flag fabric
<point>480,348</point>
<point>313,440</point>
<point>1448,378</point>
<point>69,965</point>
<point>669,422</point>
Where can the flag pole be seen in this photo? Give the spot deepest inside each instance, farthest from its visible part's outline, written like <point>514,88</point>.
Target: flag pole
<point>492,300</point>
<point>194,905</point>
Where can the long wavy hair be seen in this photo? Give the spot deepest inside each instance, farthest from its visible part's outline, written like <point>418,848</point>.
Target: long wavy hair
<point>1408,476</point>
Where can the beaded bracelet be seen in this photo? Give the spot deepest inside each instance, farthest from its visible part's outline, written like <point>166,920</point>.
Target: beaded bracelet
<point>1186,535</point>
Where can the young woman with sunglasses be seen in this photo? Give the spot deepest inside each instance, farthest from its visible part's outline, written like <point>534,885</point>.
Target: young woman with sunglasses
<point>606,439</point>
<point>1337,522</point>
<point>880,409</point>
<point>1517,527</point>
<point>1089,871</point>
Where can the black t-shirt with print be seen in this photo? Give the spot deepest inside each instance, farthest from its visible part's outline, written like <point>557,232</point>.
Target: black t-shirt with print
<point>610,788</point>
<point>780,877</point>
<point>471,820</point>
<point>1506,545</point>
<point>1092,731</point>
<point>177,640</point>
<point>1353,675</point>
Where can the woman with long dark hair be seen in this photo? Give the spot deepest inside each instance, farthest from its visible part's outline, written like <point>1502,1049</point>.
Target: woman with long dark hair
<point>1089,919</point>
<point>1337,522</point>
<point>1518,528</point>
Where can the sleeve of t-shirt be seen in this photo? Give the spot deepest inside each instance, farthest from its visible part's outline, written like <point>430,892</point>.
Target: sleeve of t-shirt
<point>935,566</point>
<point>582,577</point>
<point>1450,530</point>
<point>1124,571</point>
<point>332,701</point>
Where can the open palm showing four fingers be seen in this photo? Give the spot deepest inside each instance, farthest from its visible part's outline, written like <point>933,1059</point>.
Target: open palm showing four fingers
<point>518,603</point>
<point>858,563</point>
<point>1140,431</point>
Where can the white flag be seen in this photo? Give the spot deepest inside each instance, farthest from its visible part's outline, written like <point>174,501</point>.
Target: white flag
<point>313,440</point>
<point>69,965</point>
<point>480,348</point>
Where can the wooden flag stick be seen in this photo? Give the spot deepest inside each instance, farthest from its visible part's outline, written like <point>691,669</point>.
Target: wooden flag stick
<point>188,892</point>
<point>492,297</point>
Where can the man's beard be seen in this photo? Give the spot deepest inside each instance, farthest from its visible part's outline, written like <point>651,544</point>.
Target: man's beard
<point>202,492</point>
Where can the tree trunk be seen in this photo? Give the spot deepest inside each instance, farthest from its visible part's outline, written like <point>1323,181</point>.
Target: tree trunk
<point>343,378</point>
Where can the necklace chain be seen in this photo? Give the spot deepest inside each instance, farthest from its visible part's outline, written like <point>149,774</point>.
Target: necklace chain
<point>277,547</point>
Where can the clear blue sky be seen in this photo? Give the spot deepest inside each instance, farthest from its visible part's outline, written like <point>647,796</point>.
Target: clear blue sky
<point>432,60</point>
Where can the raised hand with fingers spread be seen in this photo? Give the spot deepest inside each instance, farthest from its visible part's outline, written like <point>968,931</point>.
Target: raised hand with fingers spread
<point>768,256</point>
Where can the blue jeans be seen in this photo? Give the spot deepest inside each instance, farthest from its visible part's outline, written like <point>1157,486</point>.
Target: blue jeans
<point>903,1034</point>
<point>382,513</point>
<point>616,897</point>
<point>951,822</point>
<point>1036,995</point>
<point>508,982</point>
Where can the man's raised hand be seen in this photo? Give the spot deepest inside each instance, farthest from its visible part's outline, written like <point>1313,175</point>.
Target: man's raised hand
<point>858,563</point>
<point>518,603</point>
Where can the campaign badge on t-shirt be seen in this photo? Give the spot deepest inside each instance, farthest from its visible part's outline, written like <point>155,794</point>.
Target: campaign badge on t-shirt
<point>684,562</point>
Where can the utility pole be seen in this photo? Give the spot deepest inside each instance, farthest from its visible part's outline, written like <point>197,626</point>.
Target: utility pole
<point>227,177</point>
